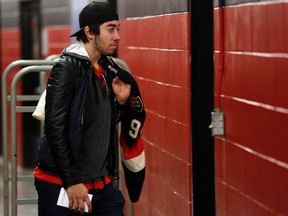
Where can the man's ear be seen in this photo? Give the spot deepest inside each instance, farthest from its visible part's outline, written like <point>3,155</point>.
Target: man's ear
<point>88,32</point>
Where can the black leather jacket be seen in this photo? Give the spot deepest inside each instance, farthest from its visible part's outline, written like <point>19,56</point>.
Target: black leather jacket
<point>64,118</point>
<point>65,121</point>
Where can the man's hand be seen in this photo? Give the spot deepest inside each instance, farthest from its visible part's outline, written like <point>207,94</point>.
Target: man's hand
<point>121,90</point>
<point>77,195</point>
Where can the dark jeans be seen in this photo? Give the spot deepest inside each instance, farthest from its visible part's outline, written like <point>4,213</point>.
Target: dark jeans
<point>105,202</point>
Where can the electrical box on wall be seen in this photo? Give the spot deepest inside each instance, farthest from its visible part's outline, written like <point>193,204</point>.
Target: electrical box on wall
<point>217,122</point>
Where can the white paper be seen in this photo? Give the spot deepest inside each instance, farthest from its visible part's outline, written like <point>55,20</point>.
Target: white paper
<point>64,201</point>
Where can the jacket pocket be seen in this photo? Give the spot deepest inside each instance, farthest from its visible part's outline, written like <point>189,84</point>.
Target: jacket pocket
<point>44,157</point>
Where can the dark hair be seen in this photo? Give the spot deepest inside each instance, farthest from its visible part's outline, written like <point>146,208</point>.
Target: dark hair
<point>94,29</point>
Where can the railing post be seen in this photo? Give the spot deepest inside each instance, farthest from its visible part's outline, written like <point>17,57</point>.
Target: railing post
<point>8,69</point>
<point>14,176</point>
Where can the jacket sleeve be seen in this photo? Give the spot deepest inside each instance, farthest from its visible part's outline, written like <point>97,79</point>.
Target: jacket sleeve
<point>60,91</point>
<point>132,120</point>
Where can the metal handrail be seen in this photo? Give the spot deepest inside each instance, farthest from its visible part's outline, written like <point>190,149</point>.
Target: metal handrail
<point>14,200</point>
<point>8,69</point>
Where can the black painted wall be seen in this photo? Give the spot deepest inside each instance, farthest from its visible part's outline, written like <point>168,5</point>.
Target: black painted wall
<point>202,85</point>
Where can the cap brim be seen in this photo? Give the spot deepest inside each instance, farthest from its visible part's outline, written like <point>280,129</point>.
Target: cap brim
<point>76,33</point>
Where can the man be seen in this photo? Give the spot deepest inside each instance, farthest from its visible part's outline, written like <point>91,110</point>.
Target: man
<point>87,94</point>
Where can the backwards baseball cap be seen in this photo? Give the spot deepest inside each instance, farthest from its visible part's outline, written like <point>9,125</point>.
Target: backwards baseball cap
<point>96,13</point>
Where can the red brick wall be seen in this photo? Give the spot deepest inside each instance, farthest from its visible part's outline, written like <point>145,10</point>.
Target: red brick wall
<point>10,46</point>
<point>157,51</point>
<point>251,159</point>
<point>10,50</point>
<point>56,39</point>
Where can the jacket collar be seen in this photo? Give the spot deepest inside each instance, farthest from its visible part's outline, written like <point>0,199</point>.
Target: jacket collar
<point>77,50</point>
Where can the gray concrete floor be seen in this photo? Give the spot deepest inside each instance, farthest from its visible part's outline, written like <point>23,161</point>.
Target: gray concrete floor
<point>24,190</point>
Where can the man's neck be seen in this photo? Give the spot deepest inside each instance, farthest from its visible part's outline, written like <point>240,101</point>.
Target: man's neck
<point>94,54</point>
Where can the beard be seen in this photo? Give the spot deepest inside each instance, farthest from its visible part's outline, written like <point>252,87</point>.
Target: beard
<point>99,45</point>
